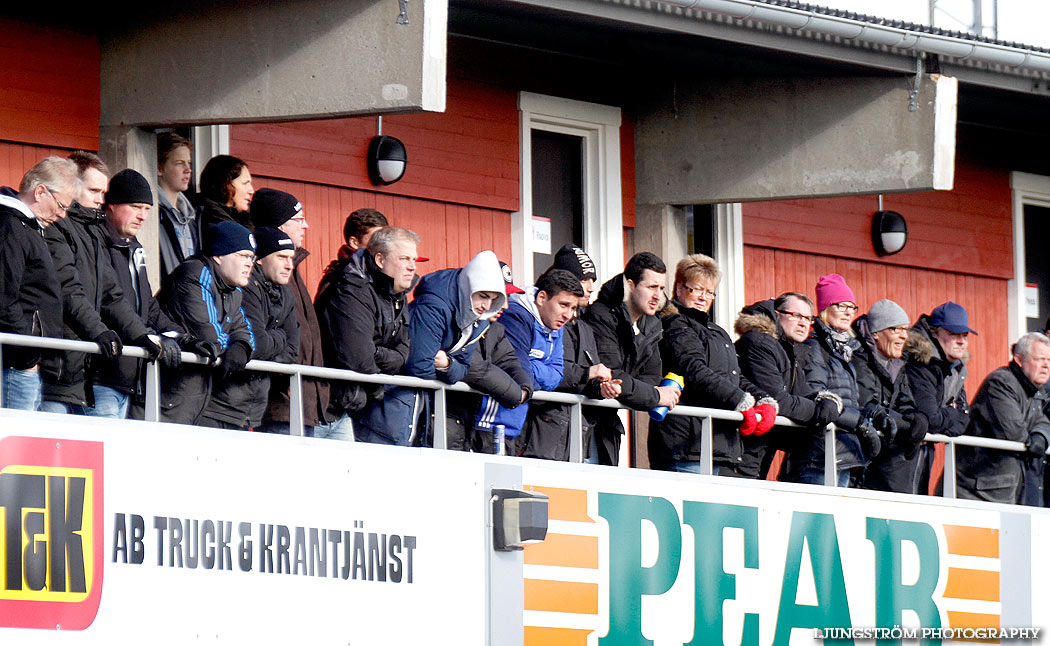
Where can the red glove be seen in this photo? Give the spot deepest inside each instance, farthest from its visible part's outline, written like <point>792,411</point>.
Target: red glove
<point>750,423</point>
<point>769,415</point>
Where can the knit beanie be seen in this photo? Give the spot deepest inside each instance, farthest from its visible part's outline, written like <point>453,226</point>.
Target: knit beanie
<point>832,288</point>
<point>269,240</point>
<point>272,208</point>
<point>575,260</point>
<point>227,237</point>
<point>129,187</point>
<point>886,313</point>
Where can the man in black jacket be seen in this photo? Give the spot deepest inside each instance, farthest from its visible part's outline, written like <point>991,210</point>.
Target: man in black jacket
<point>273,208</point>
<point>628,334</point>
<point>937,351</point>
<point>885,395</point>
<point>202,296</point>
<point>127,207</point>
<point>30,294</point>
<point>771,353</point>
<point>361,309</point>
<point>93,303</point>
<point>268,307</point>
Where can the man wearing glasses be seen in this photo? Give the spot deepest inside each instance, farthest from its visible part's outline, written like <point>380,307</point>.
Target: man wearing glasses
<point>887,401</point>
<point>770,350</point>
<point>30,294</point>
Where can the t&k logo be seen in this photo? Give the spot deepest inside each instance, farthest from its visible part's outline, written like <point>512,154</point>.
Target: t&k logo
<point>50,532</point>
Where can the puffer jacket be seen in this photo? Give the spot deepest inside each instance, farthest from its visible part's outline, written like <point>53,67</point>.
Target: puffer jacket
<point>878,386</point>
<point>1008,406</point>
<point>547,425</point>
<point>92,300</point>
<point>196,298</point>
<point>363,324</point>
<point>269,311</point>
<point>315,391</point>
<point>771,362</point>
<point>694,347</point>
<point>30,294</point>
<point>127,374</point>
<point>632,358</point>
<point>938,385</point>
<point>830,372</point>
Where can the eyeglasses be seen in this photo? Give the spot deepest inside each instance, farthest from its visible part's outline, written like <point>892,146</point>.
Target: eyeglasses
<point>897,329</point>
<point>300,219</point>
<point>795,316</point>
<point>844,307</point>
<point>62,206</point>
<point>699,291</point>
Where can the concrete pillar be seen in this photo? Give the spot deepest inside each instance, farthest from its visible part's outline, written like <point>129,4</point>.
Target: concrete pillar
<point>131,147</point>
<point>662,229</point>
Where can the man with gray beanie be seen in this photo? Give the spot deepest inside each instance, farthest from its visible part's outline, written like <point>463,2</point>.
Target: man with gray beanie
<point>203,297</point>
<point>886,398</point>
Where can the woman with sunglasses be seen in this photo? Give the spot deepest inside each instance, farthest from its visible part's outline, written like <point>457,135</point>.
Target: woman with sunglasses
<point>831,375</point>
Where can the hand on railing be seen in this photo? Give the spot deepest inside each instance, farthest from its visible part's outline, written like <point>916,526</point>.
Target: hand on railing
<point>109,344</point>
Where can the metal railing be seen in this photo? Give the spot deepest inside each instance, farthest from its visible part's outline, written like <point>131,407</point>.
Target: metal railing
<point>296,373</point>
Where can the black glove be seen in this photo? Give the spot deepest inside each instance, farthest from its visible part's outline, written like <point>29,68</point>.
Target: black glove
<point>109,343</point>
<point>1035,445</point>
<point>205,349</point>
<point>234,359</point>
<point>827,412</point>
<point>885,425</point>
<point>170,352</point>
<point>914,437</point>
<point>147,344</point>
<point>869,439</point>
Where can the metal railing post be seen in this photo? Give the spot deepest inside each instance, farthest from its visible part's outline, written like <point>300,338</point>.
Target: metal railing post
<point>707,454</point>
<point>831,472</point>
<point>295,404</point>
<point>576,433</point>
<point>152,412</point>
<point>440,420</point>
<point>949,470</point>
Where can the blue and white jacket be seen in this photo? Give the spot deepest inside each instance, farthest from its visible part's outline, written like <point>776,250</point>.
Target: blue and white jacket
<point>539,349</point>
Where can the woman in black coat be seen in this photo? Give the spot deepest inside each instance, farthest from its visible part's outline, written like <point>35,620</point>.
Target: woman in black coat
<point>226,192</point>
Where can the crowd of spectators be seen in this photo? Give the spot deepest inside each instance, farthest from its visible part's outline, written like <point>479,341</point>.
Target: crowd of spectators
<point>231,291</point>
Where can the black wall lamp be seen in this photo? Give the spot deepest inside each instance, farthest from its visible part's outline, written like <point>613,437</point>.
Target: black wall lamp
<point>889,231</point>
<point>387,158</point>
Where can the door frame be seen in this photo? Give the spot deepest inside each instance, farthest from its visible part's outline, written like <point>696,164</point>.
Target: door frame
<point>1025,189</point>
<point>599,127</point>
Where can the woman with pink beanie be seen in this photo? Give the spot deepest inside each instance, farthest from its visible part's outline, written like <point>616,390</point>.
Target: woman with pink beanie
<point>830,375</point>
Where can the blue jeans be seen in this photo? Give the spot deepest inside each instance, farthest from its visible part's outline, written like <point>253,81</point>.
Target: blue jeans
<point>340,429</point>
<point>815,475</point>
<point>109,403</point>
<point>688,466</point>
<point>21,389</point>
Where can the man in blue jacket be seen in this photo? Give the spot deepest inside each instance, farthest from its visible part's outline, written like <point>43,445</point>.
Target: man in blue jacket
<point>534,323</point>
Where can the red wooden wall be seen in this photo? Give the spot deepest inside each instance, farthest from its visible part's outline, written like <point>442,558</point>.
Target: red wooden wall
<point>49,86</point>
<point>959,248</point>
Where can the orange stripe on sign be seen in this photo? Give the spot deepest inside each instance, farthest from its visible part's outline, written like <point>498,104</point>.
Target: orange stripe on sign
<point>973,620</point>
<point>972,541</point>
<point>541,636</point>
<point>561,596</point>
<point>565,504</point>
<point>979,585</point>
<point>566,550</point>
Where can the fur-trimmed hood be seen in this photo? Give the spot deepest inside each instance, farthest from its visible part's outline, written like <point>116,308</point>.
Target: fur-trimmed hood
<point>922,346</point>
<point>759,317</point>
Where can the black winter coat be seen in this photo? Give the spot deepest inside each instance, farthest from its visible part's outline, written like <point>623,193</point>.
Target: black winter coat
<point>315,391</point>
<point>195,297</point>
<point>694,347</point>
<point>127,374</point>
<point>1008,406</point>
<point>829,370</point>
<point>170,249</point>
<point>938,385</point>
<point>212,213</point>
<point>269,309</point>
<point>30,295</point>
<point>632,358</point>
<point>771,362</point>
<point>546,429</point>
<point>363,324</point>
<point>92,300</point>
<point>890,470</point>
